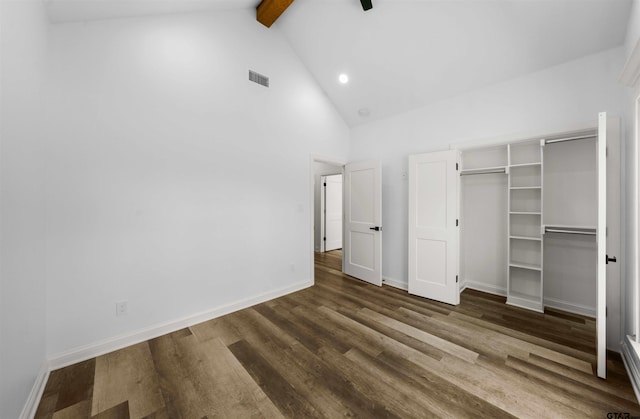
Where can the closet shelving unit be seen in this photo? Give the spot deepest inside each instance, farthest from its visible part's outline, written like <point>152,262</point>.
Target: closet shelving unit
<point>524,250</point>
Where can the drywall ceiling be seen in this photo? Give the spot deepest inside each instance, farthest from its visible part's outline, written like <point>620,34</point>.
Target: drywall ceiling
<point>81,10</point>
<point>404,54</point>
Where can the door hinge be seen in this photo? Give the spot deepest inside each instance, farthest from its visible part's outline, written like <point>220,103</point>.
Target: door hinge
<point>457,166</point>
<point>456,279</point>
<point>456,222</point>
<point>324,238</point>
<point>325,184</point>
<point>606,311</point>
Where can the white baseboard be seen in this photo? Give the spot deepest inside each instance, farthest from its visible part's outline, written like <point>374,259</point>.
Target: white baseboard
<point>31,406</point>
<point>395,283</point>
<point>95,349</point>
<point>570,307</point>
<point>631,359</point>
<point>548,302</point>
<point>491,289</point>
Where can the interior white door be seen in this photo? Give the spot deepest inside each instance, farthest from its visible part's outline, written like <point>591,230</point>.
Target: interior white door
<point>601,237</point>
<point>333,212</point>
<point>614,242</point>
<point>362,250</point>
<point>433,231</point>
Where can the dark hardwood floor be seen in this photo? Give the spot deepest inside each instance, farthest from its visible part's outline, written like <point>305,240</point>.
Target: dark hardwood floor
<point>347,348</point>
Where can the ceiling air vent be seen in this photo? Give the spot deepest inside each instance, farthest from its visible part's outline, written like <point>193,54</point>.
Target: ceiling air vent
<point>258,78</point>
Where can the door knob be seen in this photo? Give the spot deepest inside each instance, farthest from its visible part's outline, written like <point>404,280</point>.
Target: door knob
<point>610,259</point>
<point>376,228</point>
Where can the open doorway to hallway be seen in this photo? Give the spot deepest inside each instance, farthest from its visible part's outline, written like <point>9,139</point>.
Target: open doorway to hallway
<point>328,212</point>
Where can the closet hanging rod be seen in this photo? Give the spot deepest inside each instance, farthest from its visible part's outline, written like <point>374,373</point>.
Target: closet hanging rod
<point>581,137</point>
<point>482,171</point>
<point>565,231</point>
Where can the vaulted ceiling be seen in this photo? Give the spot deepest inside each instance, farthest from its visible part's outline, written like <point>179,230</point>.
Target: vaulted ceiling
<point>404,54</point>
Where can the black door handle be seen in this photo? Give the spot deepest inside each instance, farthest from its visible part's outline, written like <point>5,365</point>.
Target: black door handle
<point>610,259</point>
<point>376,228</point>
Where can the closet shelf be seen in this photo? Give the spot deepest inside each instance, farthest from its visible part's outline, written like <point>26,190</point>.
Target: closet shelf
<point>525,266</point>
<point>526,238</point>
<point>524,213</point>
<point>520,188</point>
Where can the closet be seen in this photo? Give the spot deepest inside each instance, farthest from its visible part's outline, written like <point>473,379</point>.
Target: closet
<point>529,220</point>
<point>531,213</point>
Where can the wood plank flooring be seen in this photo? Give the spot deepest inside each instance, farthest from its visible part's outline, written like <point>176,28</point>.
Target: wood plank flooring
<point>347,348</point>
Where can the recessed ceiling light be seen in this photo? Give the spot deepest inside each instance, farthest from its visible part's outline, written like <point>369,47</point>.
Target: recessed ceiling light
<point>364,112</point>
<point>343,78</point>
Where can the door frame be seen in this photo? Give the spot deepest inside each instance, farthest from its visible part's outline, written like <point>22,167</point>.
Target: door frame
<point>312,246</point>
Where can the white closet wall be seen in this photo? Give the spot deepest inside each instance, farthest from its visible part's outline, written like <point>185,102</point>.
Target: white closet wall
<point>570,200</point>
<point>570,183</point>
<point>483,230</point>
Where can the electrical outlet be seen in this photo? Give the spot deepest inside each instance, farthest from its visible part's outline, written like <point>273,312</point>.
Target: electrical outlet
<point>122,308</point>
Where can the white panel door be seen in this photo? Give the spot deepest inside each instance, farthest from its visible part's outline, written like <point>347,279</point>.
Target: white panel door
<point>333,212</point>
<point>433,233</point>
<point>601,237</point>
<point>362,251</point>
<point>614,242</point>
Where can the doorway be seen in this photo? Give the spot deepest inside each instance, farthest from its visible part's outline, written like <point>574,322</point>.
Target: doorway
<point>361,213</point>
<point>330,213</point>
<point>327,213</point>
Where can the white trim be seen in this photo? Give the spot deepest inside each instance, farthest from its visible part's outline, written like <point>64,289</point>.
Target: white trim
<point>548,302</point>
<point>631,359</point>
<point>463,283</point>
<point>395,283</point>
<point>631,69</point>
<point>323,211</point>
<point>570,307</point>
<point>634,228</point>
<point>95,349</point>
<point>490,289</point>
<point>31,406</point>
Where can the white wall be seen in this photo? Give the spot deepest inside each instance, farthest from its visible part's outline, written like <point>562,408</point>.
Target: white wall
<point>552,100</point>
<point>320,169</point>
<point>23,48</point>
<point>631,188</point>
<point>633,29</point>
<point>173,182</point>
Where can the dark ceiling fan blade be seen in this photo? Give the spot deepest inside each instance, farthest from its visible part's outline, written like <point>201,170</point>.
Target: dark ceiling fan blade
<point>366,4</point>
